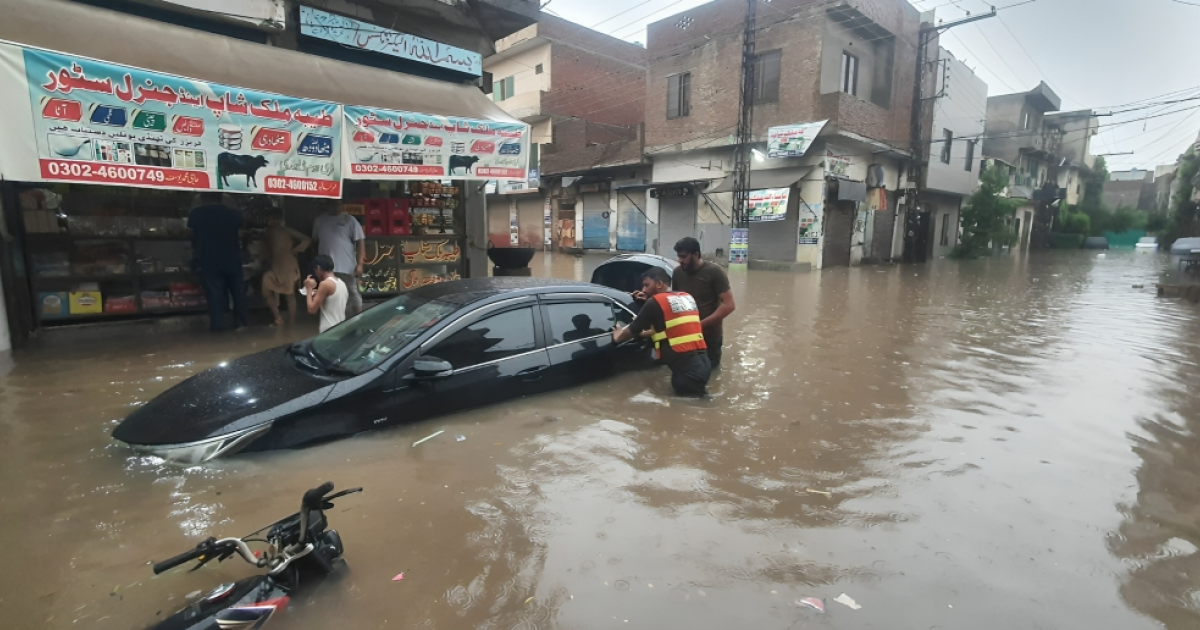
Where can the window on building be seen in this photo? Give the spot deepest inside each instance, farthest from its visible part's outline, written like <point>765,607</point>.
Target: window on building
<point>945,229</point>
<point>679,95</point>
<point>970,161</point>
<point>537,69</point>
<point>947,145</point>
<point>766,76</point>
<point>849,74</point>
<point>503,89</point>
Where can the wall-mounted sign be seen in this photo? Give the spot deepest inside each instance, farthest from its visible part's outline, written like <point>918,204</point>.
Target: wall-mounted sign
<point>102,123</point>
<point>674,191</point>
<point>769,204</point>
<point>442,147</point>
<point>792,140</point>
<point>363,36</point>
<point>837,162</point>
<point>739,246</point>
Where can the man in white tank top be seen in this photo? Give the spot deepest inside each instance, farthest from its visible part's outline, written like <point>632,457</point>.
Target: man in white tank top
<point>326,293</point>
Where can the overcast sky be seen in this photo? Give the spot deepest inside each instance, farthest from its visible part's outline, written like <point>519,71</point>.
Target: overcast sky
<point>1096,54</point>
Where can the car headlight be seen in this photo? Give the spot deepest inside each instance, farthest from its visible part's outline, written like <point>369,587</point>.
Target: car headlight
<point>204,450</point>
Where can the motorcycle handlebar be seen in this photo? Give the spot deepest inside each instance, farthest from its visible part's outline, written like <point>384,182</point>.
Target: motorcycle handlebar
<point>315,497</point>
<point>187,556</point>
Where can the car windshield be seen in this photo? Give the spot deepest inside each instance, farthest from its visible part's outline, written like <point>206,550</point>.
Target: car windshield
<point>361,342</point>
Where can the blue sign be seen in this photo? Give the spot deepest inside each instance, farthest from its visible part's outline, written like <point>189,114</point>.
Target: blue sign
<point>109,115</point>
<point>510,148</point>
<point>311,144</point>
<point>363,36</point>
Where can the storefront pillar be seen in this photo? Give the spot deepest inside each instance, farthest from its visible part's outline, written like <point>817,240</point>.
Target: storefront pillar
<point>477,230</point>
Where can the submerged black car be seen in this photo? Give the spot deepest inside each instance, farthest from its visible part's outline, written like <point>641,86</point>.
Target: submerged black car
<point>437,349</point>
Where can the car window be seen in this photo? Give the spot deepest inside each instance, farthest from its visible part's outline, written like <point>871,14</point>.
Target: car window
<point>496,337</point>
<point>365,340</point>
<point>572,321</point>
<point>623,315</point>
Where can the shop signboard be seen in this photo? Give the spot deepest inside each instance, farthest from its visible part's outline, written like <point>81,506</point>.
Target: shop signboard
<point>792,140</point>
<point>433,146</point>
<point>352,33</point>
<point>837,162</point>
<point>769,204</point>
<point>102,123</point>
<point>739,246</point>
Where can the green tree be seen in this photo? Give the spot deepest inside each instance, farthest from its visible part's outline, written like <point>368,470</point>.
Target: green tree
<point>1093,187</point>
<point>1181,218</point>
<point>985,216</point>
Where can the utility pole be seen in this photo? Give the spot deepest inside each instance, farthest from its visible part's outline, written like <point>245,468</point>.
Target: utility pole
<point>920,155</point>
<point>745,128</point>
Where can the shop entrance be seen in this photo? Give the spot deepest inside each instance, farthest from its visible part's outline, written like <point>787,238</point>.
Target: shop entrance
<point>839,228</point>
<point>916,237</point>
<point>595,220</point>
<point>676,219</point>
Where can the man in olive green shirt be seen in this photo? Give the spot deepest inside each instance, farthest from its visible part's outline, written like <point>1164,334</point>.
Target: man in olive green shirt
<point>709,284</point>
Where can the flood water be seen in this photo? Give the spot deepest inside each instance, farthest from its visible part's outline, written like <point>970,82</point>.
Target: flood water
<point>1008,443</point>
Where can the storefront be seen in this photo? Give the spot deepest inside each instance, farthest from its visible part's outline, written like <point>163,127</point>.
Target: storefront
<point>774,212</point>
<point>103,158</point>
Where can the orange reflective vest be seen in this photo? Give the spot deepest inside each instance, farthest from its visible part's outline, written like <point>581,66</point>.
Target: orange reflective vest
<point>683,332</point>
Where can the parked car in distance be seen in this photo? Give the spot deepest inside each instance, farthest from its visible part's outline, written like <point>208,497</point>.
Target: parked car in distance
<point>438,349</point>
<point>1095,242</point>
<point>1146,243</point>
<point>1186,246</point>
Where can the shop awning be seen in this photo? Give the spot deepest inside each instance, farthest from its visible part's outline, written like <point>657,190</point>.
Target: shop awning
<point>759,180</point>
<point>79,29</point>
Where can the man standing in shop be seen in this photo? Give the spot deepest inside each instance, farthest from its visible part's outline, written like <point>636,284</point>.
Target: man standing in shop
<point>218,258</point>
<point>340,236</point>
<point>709,285</point>
<point>671,319</point>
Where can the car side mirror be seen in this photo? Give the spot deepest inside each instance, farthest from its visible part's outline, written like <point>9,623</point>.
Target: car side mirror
<point>431,368</point>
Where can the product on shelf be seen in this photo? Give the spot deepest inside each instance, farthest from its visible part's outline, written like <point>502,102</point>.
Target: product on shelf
<point>156,299</point>
<point>186,294</point>
<point>53,304</point>
<point>85,302</point>
<point>120,304</point>
<point>50,264</point>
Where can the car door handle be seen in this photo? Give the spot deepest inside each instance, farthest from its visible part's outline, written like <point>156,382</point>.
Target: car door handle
<point>533,373</point>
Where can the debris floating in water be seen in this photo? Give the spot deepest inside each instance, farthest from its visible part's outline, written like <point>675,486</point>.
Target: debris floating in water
<point>814,603</point>
<point>823,493</point>
<point>460,438</point>
<point>399,576</point>
<point>848,601</point>
<point>427,438</point>
<point>647,398</point>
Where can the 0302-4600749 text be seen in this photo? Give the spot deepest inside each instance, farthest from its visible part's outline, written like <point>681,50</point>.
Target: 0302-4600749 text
<point>82,170</point>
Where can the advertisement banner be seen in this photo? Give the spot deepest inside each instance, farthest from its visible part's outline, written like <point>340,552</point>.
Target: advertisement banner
<point>103,123</point>
<point>364,36</point>
<point>386,144</point>
<point>769,204</point>
<point>837,162</point>
<point>792,140</point>
<point>739,246</point>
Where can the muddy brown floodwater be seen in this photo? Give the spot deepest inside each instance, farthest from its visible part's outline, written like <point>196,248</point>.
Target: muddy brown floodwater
<point>996,444</point>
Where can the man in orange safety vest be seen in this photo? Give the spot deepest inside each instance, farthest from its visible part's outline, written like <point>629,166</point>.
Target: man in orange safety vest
<point>672,320</point>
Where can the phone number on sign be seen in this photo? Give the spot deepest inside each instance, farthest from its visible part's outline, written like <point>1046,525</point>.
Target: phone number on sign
<point>82,170</point>
<point>397,169</point>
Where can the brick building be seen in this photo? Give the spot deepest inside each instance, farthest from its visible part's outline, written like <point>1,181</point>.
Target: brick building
<point>852,64</point>
<point>583,93</point>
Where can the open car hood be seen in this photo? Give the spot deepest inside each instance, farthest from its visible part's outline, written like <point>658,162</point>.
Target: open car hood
<point>264,385</point>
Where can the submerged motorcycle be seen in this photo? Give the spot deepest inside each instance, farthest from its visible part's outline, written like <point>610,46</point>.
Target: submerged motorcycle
<point>297,546</point>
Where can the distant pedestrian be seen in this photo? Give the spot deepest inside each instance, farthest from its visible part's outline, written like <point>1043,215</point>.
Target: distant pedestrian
<point>709,285</point>
<point>283,276</point>
<point>325,293</point>
<point>340,236</point>
<point>671,319</point>
<point>218,258</point>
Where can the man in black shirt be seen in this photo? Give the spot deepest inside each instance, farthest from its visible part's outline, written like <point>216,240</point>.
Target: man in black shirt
<point>690,367</point>
<point>218,258</point>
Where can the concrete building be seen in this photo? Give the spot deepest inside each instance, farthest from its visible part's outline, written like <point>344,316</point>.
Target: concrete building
<point>583,93</point>
<point>959,117</point>
<point>1019,137</point>
<point>1069,142</point>
<point>851,64</point>
<point>1134,189</point>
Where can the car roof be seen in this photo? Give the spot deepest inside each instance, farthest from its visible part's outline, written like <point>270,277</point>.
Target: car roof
<point>472,290</point>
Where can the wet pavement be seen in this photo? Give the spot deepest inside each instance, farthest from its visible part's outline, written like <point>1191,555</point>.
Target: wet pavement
<point>1007,443</point>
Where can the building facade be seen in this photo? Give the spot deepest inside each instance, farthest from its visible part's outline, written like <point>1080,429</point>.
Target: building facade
<point>583,93</point>
<point>850,64</point>
<point>956,151</point>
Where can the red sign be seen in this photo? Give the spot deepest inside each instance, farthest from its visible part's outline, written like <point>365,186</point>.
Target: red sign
<point>482,146</point>
<point>188,126</point>
<point>364,136</point>
<point>433,141</point>
<point>267,139</point>
<point>77,171</point>
<point>494,171</point>
<point>302,186</point>
<point>62,109</point>
<point>396,169</point>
